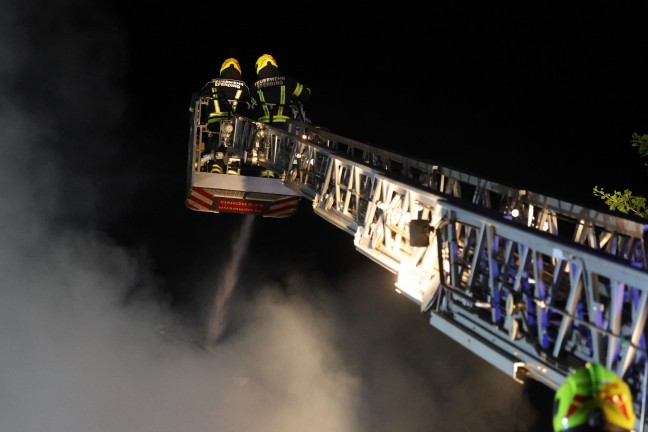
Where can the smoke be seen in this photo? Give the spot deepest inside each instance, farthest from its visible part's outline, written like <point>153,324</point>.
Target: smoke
<point>218,312</point>
<point>90,340</point>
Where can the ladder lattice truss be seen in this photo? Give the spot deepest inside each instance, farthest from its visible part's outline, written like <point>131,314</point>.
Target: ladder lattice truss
<point>534,285</point>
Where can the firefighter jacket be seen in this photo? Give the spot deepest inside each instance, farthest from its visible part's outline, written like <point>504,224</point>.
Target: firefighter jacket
<point>274,92</point>
<point>229,96</point>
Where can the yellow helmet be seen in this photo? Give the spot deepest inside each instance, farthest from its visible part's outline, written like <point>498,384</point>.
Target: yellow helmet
<point>593,398</point>
<point>230,62</point>
<point>264,60</point>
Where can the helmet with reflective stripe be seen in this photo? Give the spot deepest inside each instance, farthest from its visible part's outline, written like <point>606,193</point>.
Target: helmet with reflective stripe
<point>593,398</point>
<point>230,62</point>
<point>264,61</point>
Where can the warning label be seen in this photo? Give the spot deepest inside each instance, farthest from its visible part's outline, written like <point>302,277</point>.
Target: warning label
<point>238,206</point>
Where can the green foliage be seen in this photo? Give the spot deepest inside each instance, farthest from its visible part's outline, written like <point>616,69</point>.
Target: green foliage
<point>626,201</point>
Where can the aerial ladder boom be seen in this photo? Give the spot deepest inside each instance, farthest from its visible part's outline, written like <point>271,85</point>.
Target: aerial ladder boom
<point>534,285</point>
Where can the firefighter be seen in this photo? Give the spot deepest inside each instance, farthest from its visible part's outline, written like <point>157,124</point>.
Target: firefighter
<point>593,399</point>
<point>229,95</point>
<point>275,92</point>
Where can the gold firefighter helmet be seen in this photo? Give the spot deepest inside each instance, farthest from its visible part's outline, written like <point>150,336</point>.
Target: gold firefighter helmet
<point>593,398</point>
<point>265,60</point>
<point>230,62</point>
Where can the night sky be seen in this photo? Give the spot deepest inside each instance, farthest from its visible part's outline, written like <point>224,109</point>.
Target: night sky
<point>108,278</point>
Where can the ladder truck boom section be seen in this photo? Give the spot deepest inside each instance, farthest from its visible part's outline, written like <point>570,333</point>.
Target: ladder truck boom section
<point>535,285</point>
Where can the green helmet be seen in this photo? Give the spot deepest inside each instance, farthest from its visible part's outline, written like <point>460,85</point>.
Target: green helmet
<point>593,398</point>
<point>231,62</point>
<point>265,60</point>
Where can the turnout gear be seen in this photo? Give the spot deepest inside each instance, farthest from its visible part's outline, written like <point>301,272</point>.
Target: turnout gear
<point>276,93</point>
<point>227,94</point>
<point>220,99</point>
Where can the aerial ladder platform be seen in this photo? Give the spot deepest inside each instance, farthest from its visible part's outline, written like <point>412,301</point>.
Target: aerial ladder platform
<point>534,285</point>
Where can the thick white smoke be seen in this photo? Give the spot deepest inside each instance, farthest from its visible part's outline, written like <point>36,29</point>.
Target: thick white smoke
<point>89,345</point>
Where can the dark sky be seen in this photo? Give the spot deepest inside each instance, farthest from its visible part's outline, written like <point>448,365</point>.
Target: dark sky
<point>108,278</point>
<point>562,89</point>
